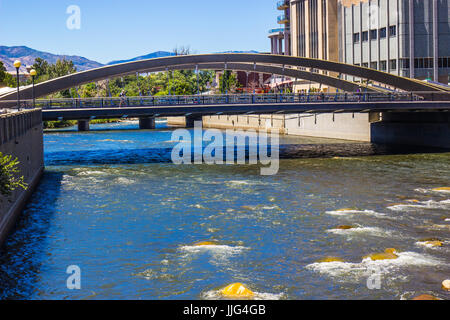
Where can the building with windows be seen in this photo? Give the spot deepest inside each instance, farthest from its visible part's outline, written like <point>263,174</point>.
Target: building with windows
<point>314,33</point>
<point>313,26</point>
<point>409,38</point>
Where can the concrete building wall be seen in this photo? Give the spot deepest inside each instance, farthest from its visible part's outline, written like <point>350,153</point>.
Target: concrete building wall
<point>21,135</point>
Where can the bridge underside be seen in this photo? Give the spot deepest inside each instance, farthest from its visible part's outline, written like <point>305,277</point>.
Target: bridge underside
<point>236,109</point>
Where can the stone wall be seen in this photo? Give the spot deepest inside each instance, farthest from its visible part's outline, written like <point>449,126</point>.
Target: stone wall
<point>21,135</point>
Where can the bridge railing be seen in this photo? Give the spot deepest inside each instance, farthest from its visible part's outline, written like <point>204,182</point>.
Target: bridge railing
<point>149,101</point>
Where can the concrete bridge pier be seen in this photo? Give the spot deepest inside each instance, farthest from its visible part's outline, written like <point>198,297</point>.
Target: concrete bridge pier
<point>191,119</point>
<point>147,123</point>
<point>428,129</point>
<point>83,125</point>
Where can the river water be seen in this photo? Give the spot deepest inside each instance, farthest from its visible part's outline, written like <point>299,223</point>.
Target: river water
<point>130,219</point>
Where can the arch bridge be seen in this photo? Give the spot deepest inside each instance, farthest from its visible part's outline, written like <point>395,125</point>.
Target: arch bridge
<point>314,70</point>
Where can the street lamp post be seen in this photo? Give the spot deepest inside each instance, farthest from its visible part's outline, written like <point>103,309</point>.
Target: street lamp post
<point>33,74</point>
<point>198,84</point>
<point>17,65</point>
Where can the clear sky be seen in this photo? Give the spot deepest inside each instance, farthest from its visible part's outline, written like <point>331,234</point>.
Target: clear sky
<point>123,29</point>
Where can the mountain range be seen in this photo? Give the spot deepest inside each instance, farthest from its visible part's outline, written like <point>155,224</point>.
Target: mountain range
<point>27,56</point>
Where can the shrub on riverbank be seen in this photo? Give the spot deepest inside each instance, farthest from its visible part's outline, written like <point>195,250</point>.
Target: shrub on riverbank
<point>59,124</point>
<point>8,175</point>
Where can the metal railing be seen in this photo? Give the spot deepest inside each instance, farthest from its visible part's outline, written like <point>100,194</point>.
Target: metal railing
<point>278,30</point>
<point>282,19</point>
<point>128,102</point>
<point>282,4</point>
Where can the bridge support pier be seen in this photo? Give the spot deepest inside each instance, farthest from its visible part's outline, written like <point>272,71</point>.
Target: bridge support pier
<point>191,119</point>
<point>147,123</point>
<point>83,125</point>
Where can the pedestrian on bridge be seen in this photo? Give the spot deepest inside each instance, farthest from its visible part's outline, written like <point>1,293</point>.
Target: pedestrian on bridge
<point>122,96</point>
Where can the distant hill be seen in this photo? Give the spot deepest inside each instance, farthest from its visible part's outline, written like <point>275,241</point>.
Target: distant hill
<point>27,55</point>
<point>250,51</point>
<point>162,54</point>
<point>157,54</point>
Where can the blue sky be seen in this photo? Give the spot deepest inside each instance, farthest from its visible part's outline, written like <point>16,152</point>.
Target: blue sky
<point>122,29</point>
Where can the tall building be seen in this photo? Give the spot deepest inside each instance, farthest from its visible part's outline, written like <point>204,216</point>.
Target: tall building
<point>314,33</point>
<point>409,38</point>
<point>314,29</point>
<point>280,38</point>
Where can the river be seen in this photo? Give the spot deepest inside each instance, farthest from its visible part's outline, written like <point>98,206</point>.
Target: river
<point>130,219</point>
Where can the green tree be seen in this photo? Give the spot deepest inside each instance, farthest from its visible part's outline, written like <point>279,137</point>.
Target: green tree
<point>41,66</point>
<point>228,82</point>
<point>2,72</point>
<point>7,78</point>
<point>9,180</point>
<point>46,71</point>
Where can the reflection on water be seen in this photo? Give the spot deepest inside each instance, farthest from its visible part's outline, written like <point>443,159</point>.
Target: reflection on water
<point>131,226</point>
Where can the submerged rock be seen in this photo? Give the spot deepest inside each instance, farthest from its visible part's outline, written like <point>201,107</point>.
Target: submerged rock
<point>395,204</point>
<point>344,227</point>
<point>442,189</point>
<point>446,285</point>
<point>426,297</point>
<point>330,259</point>
<point>386,255</point>
<point>204,243</point>
<point>436,243</point>
<point>432,242</point>
<point>237,290</point>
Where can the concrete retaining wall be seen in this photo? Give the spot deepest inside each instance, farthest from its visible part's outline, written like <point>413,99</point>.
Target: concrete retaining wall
<point>338,126</point>
<point>21,135</point>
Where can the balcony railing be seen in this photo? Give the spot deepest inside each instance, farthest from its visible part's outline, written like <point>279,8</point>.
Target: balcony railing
<point>282,5</point>
<point>278,30</point>
<point>283,19</point>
